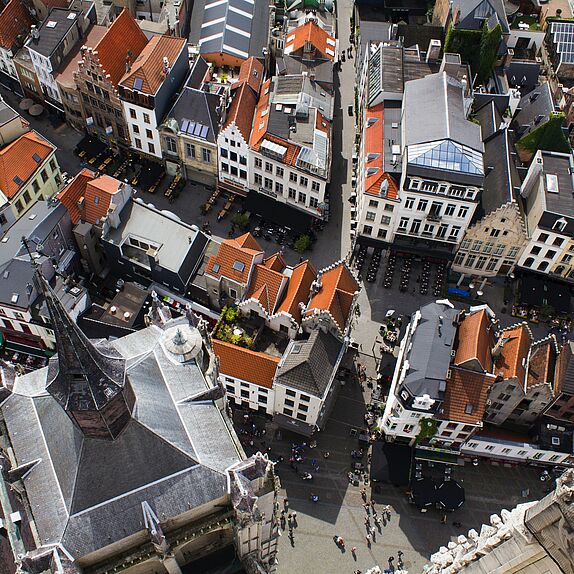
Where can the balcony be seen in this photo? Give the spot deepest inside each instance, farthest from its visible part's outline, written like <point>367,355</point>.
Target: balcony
<point>433,216</point>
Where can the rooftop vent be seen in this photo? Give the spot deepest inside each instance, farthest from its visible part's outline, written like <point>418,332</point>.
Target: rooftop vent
<point>51,24</point>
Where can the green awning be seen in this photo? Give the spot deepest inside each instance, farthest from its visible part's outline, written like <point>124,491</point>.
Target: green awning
<point>19,348</point>
<point>436,455</point>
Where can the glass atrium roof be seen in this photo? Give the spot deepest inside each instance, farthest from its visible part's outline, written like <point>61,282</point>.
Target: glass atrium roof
<point>446,155</point>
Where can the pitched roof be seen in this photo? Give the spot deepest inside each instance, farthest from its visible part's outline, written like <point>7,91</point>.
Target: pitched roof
<point>261,118</point>
<point>542,362</point>
<point>475,340</point>
<point>313,34</point>
<point>308,365</point>
<point>124,39</point>
<point>265,286</point>
<point>375,174</point>
<point>245,364</point>
<point>514,354</point>
<point>15,20</point>
<point>338,287</point>
<point>275,262</point>
<point>242,109</point>
<point>251,71</point>
<point>234,258</point>
<point>17,161</point>
<point>148,66</point>
<point>70,196</point>
<point>96,192</point>
<point>298,289</point>
<point>565,370</point>
<point>465,396</point>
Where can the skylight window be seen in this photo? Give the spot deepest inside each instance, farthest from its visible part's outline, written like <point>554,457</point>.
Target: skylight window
<point>37,158</point>
<point>238,266</point>
<point>215,267</point>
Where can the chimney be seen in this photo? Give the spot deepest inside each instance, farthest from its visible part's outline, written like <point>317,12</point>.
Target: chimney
<point>128,64</point>
<point>497,350</point>
<point>35,33</point>
<point>433,52</point>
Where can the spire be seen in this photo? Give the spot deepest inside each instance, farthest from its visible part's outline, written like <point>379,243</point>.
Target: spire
<point>88,382</point>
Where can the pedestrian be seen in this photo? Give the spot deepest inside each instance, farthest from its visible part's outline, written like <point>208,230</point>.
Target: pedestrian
<point>391,560</point>
<point>368,539</point>
<point>294,516</point>
<point>373,504</point>
<point>400,554</point>
<point>367,522</point>
<point>364,495</point>
<point>384,521</point>
<point>374,534</point>
<point>388,514</point>
<point>286,504</point>
<point>443,519</point>
<point>354,551</point>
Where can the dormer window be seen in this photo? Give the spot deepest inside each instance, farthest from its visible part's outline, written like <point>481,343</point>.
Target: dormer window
<point>559,224</point>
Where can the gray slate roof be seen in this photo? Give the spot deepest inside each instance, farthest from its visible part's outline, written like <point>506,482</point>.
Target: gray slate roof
<point>429,355</point>
<point>87,493</point>
<point>533,110</point>
<point>308,365</point>
<point>50,36</point>
<point>474,12</point>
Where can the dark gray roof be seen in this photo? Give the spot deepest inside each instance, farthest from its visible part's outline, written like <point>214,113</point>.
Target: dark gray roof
<point>533,110</point>
<point>322,71</point>
<point>523,75</point>
<point>86,493</point>
<point>50,36</point>
<point>278,123</point>
<point>561,201</point>
<point>430,351</point>
<point>195,110</point>
<point>490,119</point>
<point>197,73</point>
<point>309,365</point>
<point>6,113</point>
<point>239,28</point>
<point>15,275</point>
<point>421,35</point>
<point>566,372</point>
<point>473,13</point>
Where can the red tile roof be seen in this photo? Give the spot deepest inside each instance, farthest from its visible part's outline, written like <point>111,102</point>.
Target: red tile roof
<point>251,71</point>
<point>71,195</point>
<point>124,39</point>
<point>242,250</point>
<point>374,147</point>
<point>338,287</point>
<point>298,289</point>
<point>512,359</point>
<point>242,109</point>
<point>97,194</point>
<point>265,286</point>
<point>245,364</point>
<point>148,66</point>
<point>465,396</point>
<point>310,32</point>
<point>261,114</point>
<point>275,262</point>
<point>542,363</point>
<point>17,161</point>
<point>15,22</point>
<point>475,337</point>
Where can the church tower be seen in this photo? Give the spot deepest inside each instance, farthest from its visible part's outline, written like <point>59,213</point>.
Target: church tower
<point>88,381</point>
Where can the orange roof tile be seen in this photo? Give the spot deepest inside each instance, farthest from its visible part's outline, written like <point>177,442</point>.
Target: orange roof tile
<point>241,250</point>
<point>99,193</point>
<point>298,289</point>
<point>17,163</point>
<point>123,39</point>
<point>374,149</point>
<point>265,286</point>
<point>475,337</point>
<point>70,196</point>
<point>275,262</point>
<point>251,71</point>
<point>245,364</point>
<point>261,117</point>
<point>517,341</point>
<point>313,34</point>
<point>541,364</point>
<point>148,66</point>
<point>338,287</point>
<point>65,76</point>
<point>465,396</point>
<point>242,109</point>
<point>15,21</point>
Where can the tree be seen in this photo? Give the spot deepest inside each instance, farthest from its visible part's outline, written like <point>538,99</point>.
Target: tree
<point>428,428</point>
<point>241,220</point>
<point>548,136</point>
<point>302,243</point>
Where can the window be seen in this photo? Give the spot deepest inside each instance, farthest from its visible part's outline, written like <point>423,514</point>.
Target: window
<point>232,293</point>
<point>465,244</point>
<point>403,223</point>
<point>370,216</point>
<point>148,134</point>
<point>242,174</point>
<point>146,118</point>
<point>543,237</point>
<point>278,188</point>
<point>290,402</point>
<point>423,204</point>
<point>258,179</point>
<point>136,129</point>
<point>290,393</point>
<point>408,429</point>
<point>491,265</point>
<point>268,167</point>
<point>205,155</point>
<point>462,211</point>
<point>151,148</point>
<point>292,193</point>
<point>389,207</point>
<point>536,250</point>
<point>481,262</point>
<point>244,394</point>
<point>550,254</point>
<point>232,143</point>
<point>315,186</point>
<point>488,247</point>
<point>303,181</point>
<point>288,412</point>
<point>268,183</point>
<point>225,167</point>
<point>558,242</point>
<point>44,176</point>
<point>242,160</point>
<point>233,156</point>
<point>559,225</point>
<point>428,229</point>
<point>494,232</point>
<point>279,171</point>
<point>138,143</point>
<point>26,197</point>
<point>470,260</point>
<point>305,398</point>
<point>301,416</point>
<point>416,226</point>
<point>262,399</point>
<point>132,114</point>
<point>292,175</point>
<point>52,165</point>
<point>223,152</point>
<point>233,170</point>
<point>477,246</point>
<point>543,266</point>
<point>382,234</point>
<point>367,229</point>
<point>313,202</point>
<point>302,197</point>
<point>373,203</point>
<point>190,150</point>
<point>454,231</point>
<point>385,219</point>
<point>409,203</point>
<point>499,249</point>
<point>170,144</point>
<point>35,186</point>
<point>489,447</point>
<point>449,209</point>
<point>230,389</point>
<point>303,408</point>
<point>258,162</point>
<point>441,233</point>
